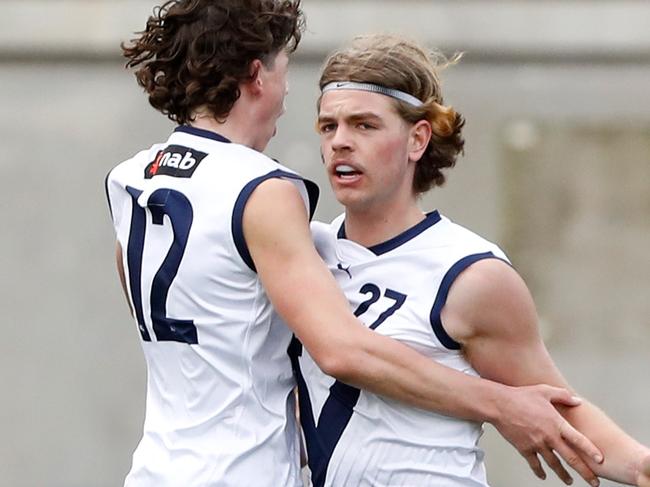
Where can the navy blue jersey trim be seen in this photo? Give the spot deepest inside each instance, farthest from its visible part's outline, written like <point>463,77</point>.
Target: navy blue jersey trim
<point>201,133</point>
<point>334,418</point>
<point>313,445</point>
<point>341,233</point>
<point>384,247</point>
<point>337,411</point>
<point>443,292</point>
<point>237,225</point>
<point>108,197</point>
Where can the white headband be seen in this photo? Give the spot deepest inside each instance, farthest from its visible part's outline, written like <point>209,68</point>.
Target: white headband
<point>353,85</point>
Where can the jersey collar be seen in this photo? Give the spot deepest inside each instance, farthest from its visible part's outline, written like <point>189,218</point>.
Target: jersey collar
<point>201,133</point>
<point>431,219</point>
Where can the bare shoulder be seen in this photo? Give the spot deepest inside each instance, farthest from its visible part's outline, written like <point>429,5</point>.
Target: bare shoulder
<point>275,204</point>
<point>276,192</point>
<point>276,225</point>
<point>487,297</point>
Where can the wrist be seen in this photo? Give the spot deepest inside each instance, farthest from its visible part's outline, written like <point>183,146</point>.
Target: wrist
<point>494,399</point>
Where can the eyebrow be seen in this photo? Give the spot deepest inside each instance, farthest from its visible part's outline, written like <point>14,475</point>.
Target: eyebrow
<point>354,117</point>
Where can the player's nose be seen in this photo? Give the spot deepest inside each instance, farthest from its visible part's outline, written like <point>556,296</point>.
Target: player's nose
<point>341,138</point>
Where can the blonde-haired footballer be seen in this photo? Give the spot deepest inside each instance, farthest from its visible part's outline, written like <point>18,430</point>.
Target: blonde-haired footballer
<point>385,135</point>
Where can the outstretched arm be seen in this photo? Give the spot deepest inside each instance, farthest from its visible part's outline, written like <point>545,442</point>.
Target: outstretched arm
<point>307,297</point>
<point>626,460</point>
<point>491,313</point>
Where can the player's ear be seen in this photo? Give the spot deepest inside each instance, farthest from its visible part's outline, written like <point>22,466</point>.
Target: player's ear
<point>255,82</point>
<point>419,137</point>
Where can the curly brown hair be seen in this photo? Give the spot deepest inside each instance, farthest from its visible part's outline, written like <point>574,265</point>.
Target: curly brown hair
<point>401,64</point>
<point>196,53</point>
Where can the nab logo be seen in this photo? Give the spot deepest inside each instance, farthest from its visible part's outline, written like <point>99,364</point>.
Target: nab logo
<point>175,160</point>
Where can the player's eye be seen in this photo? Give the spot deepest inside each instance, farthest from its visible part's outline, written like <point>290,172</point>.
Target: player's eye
<point>325,128</point>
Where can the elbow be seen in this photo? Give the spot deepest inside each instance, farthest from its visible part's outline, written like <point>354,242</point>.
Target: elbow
<point>346,356</point>
<point>338,364</point>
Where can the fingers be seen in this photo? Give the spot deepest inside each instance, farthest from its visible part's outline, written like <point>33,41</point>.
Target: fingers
<point>560,396</point>
<point>576,463</point>
<point>550,436</point>
<point>555,465</point>
<point>535,465</point>
<point>580,442</point>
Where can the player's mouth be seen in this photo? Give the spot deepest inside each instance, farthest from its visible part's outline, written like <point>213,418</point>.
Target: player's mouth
<point>344,172</point>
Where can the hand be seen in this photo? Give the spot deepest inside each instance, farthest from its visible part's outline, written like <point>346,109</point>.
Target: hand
<point>643,478</point>
<point>532,424</point>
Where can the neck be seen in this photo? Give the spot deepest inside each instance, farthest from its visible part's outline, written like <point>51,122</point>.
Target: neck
<point>369,228</point>
<point>235,126</point>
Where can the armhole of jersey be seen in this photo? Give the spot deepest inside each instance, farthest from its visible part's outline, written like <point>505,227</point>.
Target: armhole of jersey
<point>108,196</point>
<point>238,212</point>
<point>443,292</point>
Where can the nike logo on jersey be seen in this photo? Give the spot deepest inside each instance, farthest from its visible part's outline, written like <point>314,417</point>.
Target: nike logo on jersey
<point>340,267</point>
<point>175,160</point>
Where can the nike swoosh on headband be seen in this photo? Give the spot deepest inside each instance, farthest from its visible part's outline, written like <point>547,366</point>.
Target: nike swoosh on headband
<point>373,88</point>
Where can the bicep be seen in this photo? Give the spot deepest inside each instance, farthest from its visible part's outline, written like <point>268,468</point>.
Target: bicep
<point>299,285</point>
<point>493,316</point>
<point>491,313</point>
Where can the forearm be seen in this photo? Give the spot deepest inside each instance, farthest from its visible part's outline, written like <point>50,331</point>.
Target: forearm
<point>623,454</point>
<point>306,296</point>
<point>384,366</point>
<point>347,350</point>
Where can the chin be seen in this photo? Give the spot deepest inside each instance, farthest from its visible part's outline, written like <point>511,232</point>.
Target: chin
<point>344,199</point>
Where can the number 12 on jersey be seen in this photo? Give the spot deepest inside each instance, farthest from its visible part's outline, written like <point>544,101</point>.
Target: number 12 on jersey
<point>178,209</point>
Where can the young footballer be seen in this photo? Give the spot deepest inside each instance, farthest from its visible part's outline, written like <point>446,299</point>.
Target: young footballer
<point>386,136</point>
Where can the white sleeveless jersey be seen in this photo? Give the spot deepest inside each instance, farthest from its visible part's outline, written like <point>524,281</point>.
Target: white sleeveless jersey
<point>219,406</point>
<point>398,288</point>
